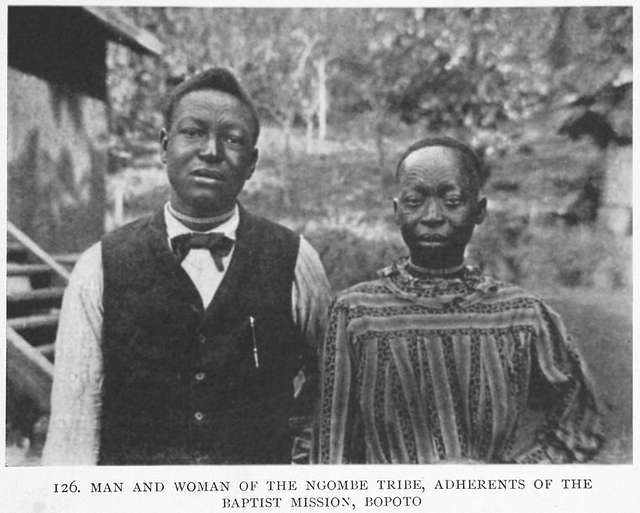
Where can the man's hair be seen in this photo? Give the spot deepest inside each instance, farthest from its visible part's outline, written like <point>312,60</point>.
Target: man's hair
<point>468,159</point>
<point>217,79</point>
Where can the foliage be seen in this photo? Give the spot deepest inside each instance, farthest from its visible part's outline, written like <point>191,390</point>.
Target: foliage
<point>553,257</point>
<point>441,68</point>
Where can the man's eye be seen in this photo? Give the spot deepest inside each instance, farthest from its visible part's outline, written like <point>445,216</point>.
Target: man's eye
<point>192,132</point>
<point>453,201</point>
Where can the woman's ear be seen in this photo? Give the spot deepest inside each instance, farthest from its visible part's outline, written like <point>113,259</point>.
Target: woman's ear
<point>481,211</point>
<point>395,210</point>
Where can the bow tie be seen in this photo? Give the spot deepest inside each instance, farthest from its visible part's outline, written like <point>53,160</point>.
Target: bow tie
<point>218,244</point>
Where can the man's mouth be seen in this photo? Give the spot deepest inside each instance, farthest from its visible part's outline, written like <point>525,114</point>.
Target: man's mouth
<point>208,175</point>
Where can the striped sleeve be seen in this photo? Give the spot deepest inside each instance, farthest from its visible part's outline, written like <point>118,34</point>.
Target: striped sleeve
<point>562,386</point>
<point>337,408</point>
<point>310,298</point>
<point>311,295</point>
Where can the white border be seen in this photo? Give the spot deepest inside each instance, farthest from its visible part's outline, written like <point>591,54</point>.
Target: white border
<point>616,488</point>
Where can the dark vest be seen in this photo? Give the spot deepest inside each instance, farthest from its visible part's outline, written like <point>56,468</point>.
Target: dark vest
<point>181,383</point>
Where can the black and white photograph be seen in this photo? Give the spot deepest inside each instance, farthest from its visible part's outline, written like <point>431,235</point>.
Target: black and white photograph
<point>319,236</point>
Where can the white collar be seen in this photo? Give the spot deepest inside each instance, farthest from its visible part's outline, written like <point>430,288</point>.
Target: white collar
<point>175,227</point>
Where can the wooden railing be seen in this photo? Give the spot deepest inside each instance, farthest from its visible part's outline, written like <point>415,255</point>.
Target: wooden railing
<point>28,243</point>
<point>28,369</point>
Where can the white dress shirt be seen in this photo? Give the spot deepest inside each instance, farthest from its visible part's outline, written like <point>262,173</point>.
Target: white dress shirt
<point>198,263</point>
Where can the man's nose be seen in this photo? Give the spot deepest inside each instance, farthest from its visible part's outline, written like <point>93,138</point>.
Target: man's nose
<point>432,213</point>
<point>210,148</point>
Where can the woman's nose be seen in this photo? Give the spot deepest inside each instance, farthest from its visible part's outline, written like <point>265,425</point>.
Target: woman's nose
<point>432,213</point>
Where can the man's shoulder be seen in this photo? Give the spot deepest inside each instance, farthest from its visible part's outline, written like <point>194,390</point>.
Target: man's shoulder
<point>131,241</point>
<point>270,235</point>
<point>267,224</point>
<point>87,271</point>
<point>128,229</point>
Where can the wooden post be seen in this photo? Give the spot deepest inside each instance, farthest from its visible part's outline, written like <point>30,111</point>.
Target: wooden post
<point>322,98</point>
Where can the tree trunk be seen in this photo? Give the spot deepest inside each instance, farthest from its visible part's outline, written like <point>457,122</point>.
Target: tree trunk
<point>287,127</point>
<point>559,52</point>
<point>308,119</point>
<point>380,122</point>
<point>323,103</point>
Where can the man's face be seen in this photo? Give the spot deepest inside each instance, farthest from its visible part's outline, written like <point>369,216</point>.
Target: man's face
<point>437,207</point>
<point>209,152</point>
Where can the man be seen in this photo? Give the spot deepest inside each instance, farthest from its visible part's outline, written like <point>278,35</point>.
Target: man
<point>434,362</point>
<point>181,333</point>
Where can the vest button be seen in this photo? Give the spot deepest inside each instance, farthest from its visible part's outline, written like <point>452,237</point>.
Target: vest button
<point>199,376</point>
<point>201,338</point>
<point>198,416</point>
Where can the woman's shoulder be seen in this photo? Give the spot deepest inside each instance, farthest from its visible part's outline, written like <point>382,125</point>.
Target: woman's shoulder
<point>361,291</point>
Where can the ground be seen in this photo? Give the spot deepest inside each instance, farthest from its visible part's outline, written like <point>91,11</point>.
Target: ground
<point>601,325</point>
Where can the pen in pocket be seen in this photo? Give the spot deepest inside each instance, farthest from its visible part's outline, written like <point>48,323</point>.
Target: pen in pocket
<point>252,324</point>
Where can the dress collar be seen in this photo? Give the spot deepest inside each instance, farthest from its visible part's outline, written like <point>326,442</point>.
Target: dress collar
<point>408,270</point>
<point>427,272</point>
<point>459,287</point>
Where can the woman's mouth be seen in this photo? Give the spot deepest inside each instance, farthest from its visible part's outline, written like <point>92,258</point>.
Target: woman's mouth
<point>432,238</point>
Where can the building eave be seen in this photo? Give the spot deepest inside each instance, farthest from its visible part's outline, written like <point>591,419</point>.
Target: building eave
<point>123,31</point>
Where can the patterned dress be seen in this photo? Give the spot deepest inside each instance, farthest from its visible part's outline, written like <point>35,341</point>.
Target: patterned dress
<point>424,368</point>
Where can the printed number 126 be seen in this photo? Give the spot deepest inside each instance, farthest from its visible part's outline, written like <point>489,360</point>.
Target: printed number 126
<point>71,487</point>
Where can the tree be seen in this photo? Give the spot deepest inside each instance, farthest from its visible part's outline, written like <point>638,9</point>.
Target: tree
<point>442,68</point>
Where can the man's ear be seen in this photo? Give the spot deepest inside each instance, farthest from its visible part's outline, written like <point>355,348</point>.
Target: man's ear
<point>164,141</point>
<point>481,211</point>
<point>254,161</point>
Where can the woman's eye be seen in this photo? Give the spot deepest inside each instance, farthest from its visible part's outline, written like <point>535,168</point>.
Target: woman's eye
<point>411,202</point>
<point>233,139</point>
